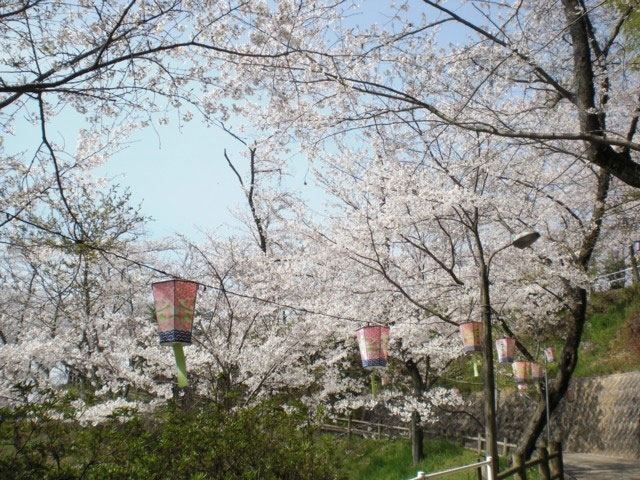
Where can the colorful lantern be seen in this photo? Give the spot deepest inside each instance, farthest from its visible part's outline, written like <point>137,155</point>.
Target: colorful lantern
<point>455,391</point>
<point>537,373</point>
<point>523,387</point>
<point>175,302</point>
<point>374,345</point>
<point>521,371</point>
<point>636,247</point>
<point>550,354</point>
<point>471,336</point>
<point>506,349</point>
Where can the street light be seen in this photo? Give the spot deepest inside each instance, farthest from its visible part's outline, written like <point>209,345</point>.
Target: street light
<point>488,379</point>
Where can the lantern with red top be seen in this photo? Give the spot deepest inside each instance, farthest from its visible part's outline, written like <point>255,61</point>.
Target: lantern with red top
<point>175,302</point>
<point>523,387</point>
<point>521,371</point>
<point>373,341</point>
<point>506,349</point>
<point>471,336</point>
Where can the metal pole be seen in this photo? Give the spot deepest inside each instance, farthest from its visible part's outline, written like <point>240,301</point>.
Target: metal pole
<point>546,394</point>
<point>488,378</point>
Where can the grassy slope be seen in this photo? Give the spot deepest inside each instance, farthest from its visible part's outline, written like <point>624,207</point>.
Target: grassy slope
<point>391,460</point>
<point>610,334</point>
<point>369,459</point>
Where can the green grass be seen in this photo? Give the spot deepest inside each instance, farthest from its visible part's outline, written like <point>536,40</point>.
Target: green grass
<point>369,459</point>
<point>610,334</point>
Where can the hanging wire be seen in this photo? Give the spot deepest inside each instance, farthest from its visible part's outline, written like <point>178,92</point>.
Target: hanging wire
<point>167,274</point>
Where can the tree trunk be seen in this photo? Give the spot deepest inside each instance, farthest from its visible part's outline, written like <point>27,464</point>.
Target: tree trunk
<point>576,299</point>
<point>417,435</point>
<point>558,387</point>
<point>417,439</point>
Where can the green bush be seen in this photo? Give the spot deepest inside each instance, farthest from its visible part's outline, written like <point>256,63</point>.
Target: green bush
<point>207,443</point>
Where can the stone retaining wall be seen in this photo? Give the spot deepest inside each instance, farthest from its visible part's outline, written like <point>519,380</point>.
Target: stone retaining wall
<point>604,418</point>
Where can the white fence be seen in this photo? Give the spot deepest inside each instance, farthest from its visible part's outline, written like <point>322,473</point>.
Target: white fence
<point>474,466</point>
<point>619,279</point>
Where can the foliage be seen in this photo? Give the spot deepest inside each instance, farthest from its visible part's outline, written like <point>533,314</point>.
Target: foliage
<point>261,442</point>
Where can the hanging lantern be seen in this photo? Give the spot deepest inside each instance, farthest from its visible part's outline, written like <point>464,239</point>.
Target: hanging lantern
<point>521,371</point>
<point>636,247</point>
<point>374,345</point>
<point>175,302</point>
<point>550,354</point>
<point>455,391</point>
<point>537,373</point>
<point>471,336</point>
<point>506,349</point>
<point>523,387</point>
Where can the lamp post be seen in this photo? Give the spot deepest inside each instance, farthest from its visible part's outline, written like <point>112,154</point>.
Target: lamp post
<point>549,356</point>
<point>488,379</point>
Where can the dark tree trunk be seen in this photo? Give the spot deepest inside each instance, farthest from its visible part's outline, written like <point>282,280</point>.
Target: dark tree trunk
<point>417,439</point>
<point>417,435</point>
<point>576,299</point>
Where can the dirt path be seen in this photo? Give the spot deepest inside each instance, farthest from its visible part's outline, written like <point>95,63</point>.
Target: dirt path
<point>585,466</point>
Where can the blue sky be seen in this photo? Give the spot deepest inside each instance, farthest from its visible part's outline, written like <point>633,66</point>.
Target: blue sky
<point>179,175</point>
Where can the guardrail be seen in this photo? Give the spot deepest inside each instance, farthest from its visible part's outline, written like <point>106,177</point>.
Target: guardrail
<point>619,279</point>
<point>550,465</point>
<point>473,466</point>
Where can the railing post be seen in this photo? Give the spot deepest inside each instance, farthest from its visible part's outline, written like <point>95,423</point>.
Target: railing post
<point>420,475</point>
<point>479,444</point>
<point>349,427</point>
<point>518,461</point>
<point>557,468</point>
<point>491,475</point>
<point>505,448</point>
<point>379,430</point>
<point>543,466</point>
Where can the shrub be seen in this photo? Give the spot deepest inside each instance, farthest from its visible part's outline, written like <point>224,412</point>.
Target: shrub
<point>207,443</point>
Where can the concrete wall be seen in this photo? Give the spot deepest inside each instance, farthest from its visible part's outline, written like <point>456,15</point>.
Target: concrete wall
<point>604,418</point>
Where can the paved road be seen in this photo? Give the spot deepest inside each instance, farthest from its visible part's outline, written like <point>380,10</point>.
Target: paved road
<point>585,466</point>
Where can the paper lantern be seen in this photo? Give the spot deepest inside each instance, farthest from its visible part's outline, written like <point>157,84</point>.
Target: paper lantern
<point>374,345</point>
<point>471,336</point>
<point>506,348</point>
<point>521,371</point>
<point>523,387</point>
<point>175,302</point>
<point>550,354</point>
<point>455,391</point>
<point>537,373</point>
